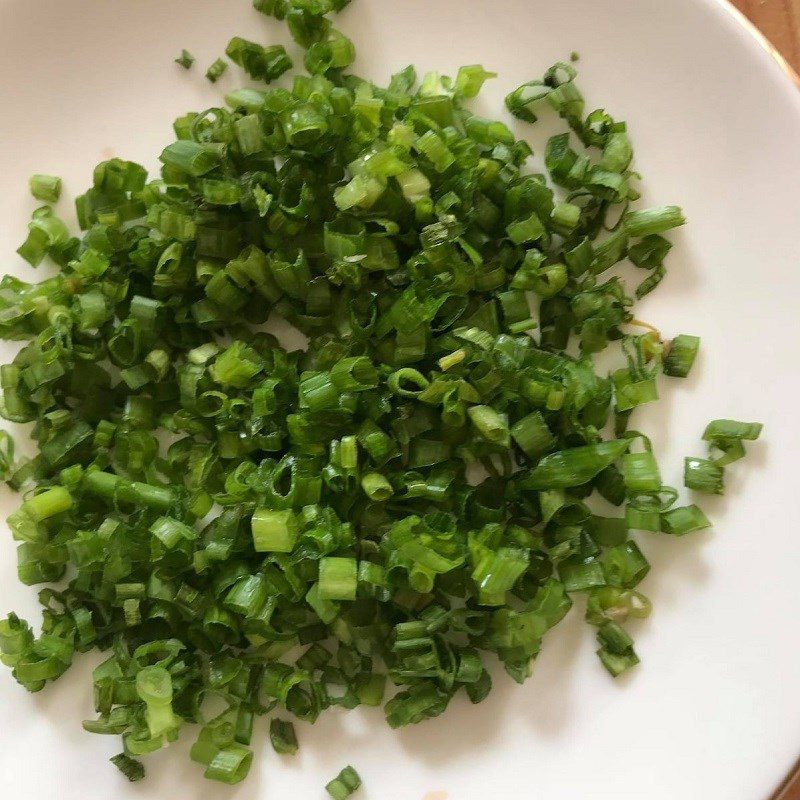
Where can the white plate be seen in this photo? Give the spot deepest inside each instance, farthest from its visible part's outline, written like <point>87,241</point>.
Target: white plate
<point>712,712</point>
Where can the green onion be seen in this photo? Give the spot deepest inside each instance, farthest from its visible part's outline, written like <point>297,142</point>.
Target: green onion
<point>526,230</point>
<point>652,220</point>
<point>624,565</point>
<point>681,356</point>
<point>47,504</point>
<point>377,487</point>
<point>354,375</point>
<point>452,359</point>
<point>616,649</point>
<point>132,769</point>
<point>274,531</point>
<point>470,80</point>
<point>47,235</point>
<point>725,437</point>
<point>374,509</point>
<point>640,472</point>
<point>230,765</point>
<point>532,435</point>
<point>721,429</point>
<point>282,737</point>
<point>574,467</point>
<point>523,100</point>
<point>610,603</point>
<point>185,59</point>
<point>190,157</point>
<point>489,424</point>
<point>338,578</point>
<point>580,576</point>
<point>260,63</point>
<point>46,188</point>
<point>216,70</point>
<point>703,475</point>
<point>344,784</point>
<point>687,519</point>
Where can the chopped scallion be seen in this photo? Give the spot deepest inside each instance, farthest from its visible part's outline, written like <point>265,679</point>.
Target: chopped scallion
<point>46,188</point>
<point>344,784</point>
<point>185,59</point>
<point>216,70</point>
<point>407,495</point>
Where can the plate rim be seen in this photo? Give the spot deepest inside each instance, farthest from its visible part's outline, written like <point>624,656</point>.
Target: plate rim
<point>789,786</point>
<point>739,17</point>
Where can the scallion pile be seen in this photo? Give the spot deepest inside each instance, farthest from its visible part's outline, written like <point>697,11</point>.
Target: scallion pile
<point>373,519</point>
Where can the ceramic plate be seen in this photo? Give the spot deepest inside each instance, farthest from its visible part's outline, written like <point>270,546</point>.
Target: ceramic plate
<point>712,712</point>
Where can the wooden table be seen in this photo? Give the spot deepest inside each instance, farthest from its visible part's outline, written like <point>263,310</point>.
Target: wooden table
<point>779,21</point>
<point>791,791</point>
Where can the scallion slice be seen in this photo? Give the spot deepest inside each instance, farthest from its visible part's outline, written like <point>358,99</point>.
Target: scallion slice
<point>344,784</point>
<point>185,59</point>
<point>216,70</point>
<point>46,188</point>
<point>681,356</point>
<point>703,475</point>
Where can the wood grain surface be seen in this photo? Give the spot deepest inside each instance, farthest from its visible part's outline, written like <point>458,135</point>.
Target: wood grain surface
<point>791,789</point>
<point>779,21</point>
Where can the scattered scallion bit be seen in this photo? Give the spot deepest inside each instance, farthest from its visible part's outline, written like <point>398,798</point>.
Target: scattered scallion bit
<point>185,59</point>
<point>652,221</point>
<point>46,188</point>
<point>344,784</point>
<point>47,236</point>
<point>260,63</point>
<point>230,764</point>
<point>403,498</point>
<point>681,356</point>
<point>216,70</point>
<point>616,649</point>
<point>725,437</point>
<point>683,520</point>
<point>132,769</point>
<point>703,475</point>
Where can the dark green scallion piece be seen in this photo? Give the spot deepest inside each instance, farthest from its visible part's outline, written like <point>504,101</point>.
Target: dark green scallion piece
<point>681,356</point>
<point>683,520</point>
<point>260,63</point>
<point>282,736</point>
<point>725,437</point>
<point>132,769</point>
<point>703,475</point>
<point>185,59</point>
